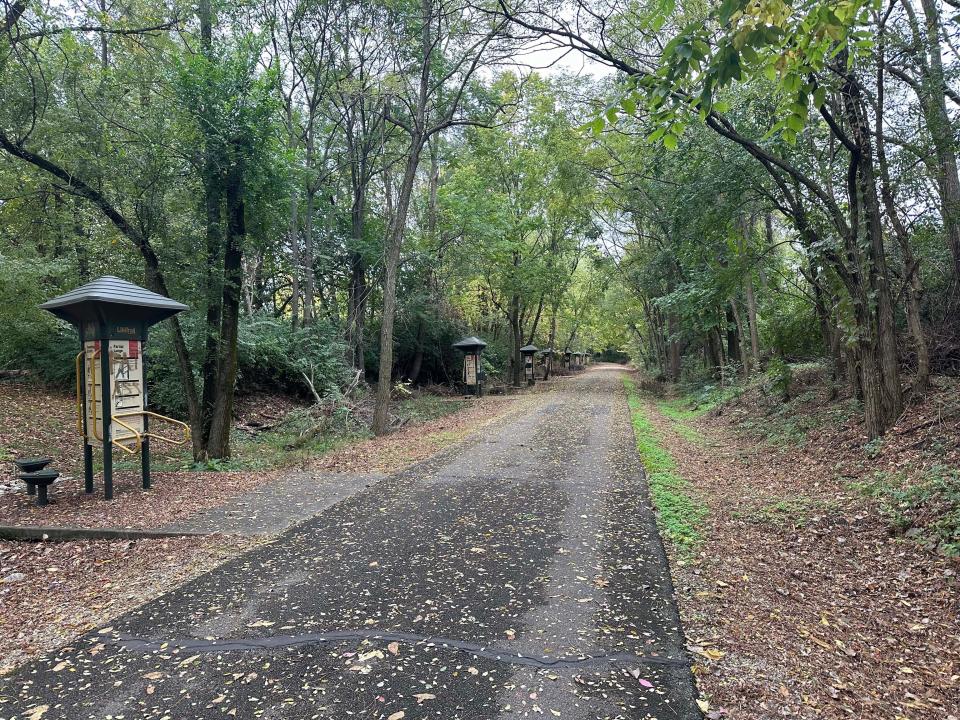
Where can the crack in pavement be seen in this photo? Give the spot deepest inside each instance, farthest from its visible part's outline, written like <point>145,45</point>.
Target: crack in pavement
<point>274,642</point>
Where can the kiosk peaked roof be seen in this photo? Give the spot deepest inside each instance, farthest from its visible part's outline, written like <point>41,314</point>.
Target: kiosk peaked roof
<point>470,342</point>
<point>111,294</point>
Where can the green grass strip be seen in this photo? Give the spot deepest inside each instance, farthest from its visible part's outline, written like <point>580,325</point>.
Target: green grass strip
<point>679,515</point>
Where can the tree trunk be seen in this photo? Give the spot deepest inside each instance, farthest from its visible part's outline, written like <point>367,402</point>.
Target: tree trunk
<point>741,337</point>
<point>752,318</point>
<point>516,337</point>
<point>309,291</point>
<point>357,138</point>
<point>356,311</point>
<point>876,329</point>
<point>381,413</point>
<point>673,347</point>
<point>212,199</point>
<point>357,291</point>
<point>218,445</point>
<point>548,366</point>
<point>655,329</point>
<point>294,239</point>
<point>536,321</point>
<point>912,282</point>
<point>713,350</point>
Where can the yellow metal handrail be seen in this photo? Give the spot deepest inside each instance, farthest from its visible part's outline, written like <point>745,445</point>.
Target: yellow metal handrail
<point>93,393</point>
<point>136,436</point>
<point>162,438</point>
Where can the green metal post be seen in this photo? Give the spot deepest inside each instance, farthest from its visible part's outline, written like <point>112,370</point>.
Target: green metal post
<point>87,467</point>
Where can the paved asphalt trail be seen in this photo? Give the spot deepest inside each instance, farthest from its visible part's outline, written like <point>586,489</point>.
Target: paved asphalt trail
<point>517,575</point>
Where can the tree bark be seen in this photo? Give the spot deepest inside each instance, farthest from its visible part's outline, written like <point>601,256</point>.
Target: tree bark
<point>751,297</point>
<point>309,290</point>
<point>218,445</point>
<point>381,413</point>
<point>212,189</point>
<point>294,240</point>
<point>516,341</point>
<point>548,365</point>
<point>741,337</point>
<point>912,283</point>
<point>888,365</point>
<point>673,347</point>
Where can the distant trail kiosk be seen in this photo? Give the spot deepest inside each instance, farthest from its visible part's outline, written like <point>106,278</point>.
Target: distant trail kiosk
<point>471,347</point>
<point>112,317</point>
<point>527,352</point>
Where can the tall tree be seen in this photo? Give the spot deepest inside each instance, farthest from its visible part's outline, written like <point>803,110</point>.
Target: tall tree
<point>436,54</point>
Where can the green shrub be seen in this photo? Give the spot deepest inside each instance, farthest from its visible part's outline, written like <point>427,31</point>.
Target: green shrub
<point>33,339</point>
<point>779,376</point>
<point>271,356</point>
<point>789,323</point>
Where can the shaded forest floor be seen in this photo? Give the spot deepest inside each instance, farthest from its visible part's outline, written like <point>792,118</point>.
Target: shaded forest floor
<point>818,577</point>
<point>53,591</point>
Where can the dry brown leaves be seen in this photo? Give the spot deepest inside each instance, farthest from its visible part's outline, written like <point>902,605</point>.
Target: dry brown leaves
<point>174,496</point>
<point>801,602</point>
<point>53,592</point>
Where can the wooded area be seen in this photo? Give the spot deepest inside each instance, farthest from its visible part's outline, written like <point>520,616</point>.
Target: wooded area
<point>341,190</point>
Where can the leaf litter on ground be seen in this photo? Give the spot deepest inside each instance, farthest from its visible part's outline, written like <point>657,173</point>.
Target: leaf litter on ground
<point>801,602</point>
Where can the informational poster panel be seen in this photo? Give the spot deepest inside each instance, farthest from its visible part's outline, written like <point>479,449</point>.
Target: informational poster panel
<point>126,388</point>
<point>528,368</point>
<point>470,369</point>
